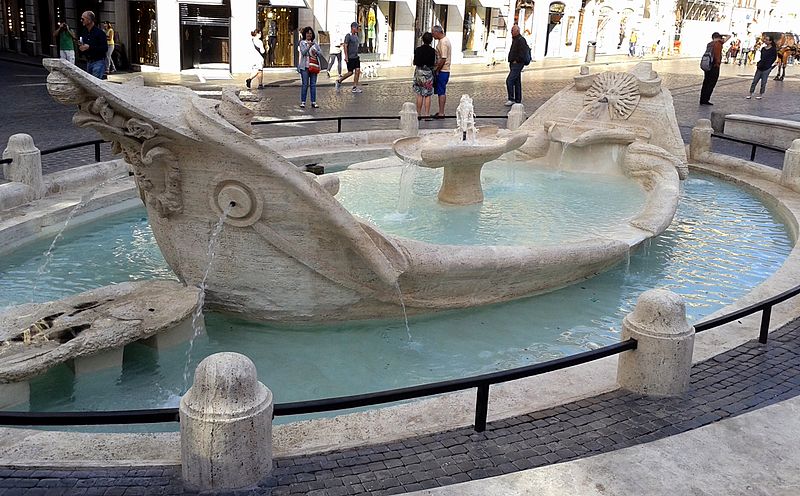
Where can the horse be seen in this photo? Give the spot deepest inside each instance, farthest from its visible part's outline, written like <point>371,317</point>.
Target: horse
<point>788,46</point>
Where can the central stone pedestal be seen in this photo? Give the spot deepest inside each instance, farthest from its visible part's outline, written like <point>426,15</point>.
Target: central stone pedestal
<point>461,160</point>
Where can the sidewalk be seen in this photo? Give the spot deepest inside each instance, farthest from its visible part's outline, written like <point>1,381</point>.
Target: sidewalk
<point>281,77</point>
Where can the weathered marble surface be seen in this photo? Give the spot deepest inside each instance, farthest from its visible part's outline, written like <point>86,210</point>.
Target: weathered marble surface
<point>289,249</point>
<point>37,336</point>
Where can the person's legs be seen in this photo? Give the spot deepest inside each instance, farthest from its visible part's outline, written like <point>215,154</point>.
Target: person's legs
<point>260,77</point>
<point>510,83</point>
<point>303,85</point>
<point>764,79</point>
<point>109,61</point>
<point>419,104</point>
<point>756,77</point>
<point>518,83</point>
<point>441,90</point>
<point>357,73</point>
<point>97,68</point>
<point>709,81</point>
<point>426,104</point>
<point>312,80</point>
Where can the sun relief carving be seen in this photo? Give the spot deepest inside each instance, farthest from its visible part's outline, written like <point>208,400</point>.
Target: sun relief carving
<point>613,95</point>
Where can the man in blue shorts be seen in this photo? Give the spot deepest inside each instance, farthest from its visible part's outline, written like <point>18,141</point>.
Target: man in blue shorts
<point>441,73</point>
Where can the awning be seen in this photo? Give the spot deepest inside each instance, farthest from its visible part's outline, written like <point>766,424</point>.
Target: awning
<point>298,4</point>
<point>449,2</point>
<point>494,4</point>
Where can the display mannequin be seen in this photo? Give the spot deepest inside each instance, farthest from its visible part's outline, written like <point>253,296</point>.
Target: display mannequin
<point>272,40</point>
<point>371,29</point>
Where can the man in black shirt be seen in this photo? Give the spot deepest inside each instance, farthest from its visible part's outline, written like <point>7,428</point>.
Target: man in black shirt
<point>517,56</point>
<point>94,46</point>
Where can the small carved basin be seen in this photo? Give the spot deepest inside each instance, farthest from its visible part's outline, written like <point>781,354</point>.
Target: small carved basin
<point>461,160</point>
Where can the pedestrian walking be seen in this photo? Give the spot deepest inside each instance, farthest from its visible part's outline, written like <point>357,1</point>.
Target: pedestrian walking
<point>441,73</point>
<point>308,66</point>
<point>769,57</point>
<point>94,46</point>
<point>746,45</point>
<point>256,59</point>
<point>424,61</point>
<point>109,29</point>
<point>632,44</point>
<point>336,53</point>
<point>491,46</point>
<point>66,41</point>
<point>350,46</point>
<point>517,57</point>
<point>711,75</point>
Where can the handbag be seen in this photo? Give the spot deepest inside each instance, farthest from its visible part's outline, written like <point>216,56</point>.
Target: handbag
<point>313,64</point>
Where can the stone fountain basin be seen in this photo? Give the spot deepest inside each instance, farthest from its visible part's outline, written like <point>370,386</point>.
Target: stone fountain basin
<point>445,149</point>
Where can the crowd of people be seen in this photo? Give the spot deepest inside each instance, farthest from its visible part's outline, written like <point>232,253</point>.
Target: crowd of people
<point>95,44</point>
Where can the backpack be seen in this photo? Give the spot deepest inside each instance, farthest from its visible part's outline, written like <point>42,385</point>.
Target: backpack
<point>707,59</point>
<point>526,54</point>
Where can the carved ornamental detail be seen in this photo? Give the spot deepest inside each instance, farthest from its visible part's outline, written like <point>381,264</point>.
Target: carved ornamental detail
<point>613,95</point>
<point>138,141</point>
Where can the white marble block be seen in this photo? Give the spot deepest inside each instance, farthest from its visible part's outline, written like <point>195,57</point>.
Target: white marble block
<point>226,425</point>
<point>26,165</point>
<point>409,119</point>
<point>107,359</point>
<point>662,362</point>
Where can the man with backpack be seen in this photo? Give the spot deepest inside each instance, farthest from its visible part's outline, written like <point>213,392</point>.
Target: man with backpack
<point>710,63</point>
<point>518,57</point>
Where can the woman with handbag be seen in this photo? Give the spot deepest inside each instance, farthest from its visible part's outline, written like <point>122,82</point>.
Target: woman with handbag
<point>308,66</point>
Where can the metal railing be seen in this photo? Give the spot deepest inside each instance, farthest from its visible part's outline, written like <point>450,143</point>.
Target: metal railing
<point>754,144</point>
<point>341,119</point>
<point>71,146</point>
<point>481,382</point>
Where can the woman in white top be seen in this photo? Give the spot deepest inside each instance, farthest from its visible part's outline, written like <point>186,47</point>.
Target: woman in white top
<point>257,57</point>
<point>308,49</point>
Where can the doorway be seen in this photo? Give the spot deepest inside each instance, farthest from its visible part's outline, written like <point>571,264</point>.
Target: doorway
<point>552,44</point>
<point>205,36</point>
<point>279,32</point>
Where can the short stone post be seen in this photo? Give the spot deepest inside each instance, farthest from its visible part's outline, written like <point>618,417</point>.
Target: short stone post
<point>409,119</point>
<point>790,175</point>
<point>662,361</point>
<point>226,425</point>
<point>516,116</point>
<point>701,139</point>
<point>26,165</point>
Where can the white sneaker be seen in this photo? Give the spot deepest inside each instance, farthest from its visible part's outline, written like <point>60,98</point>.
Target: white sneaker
<point>748,97</point>
<point>759,97</point>
<point>357,89</point>
<point>338,85</point>
<point>509,103</point>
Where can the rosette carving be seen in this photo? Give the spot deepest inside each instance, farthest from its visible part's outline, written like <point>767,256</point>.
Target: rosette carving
<point>616,93</point>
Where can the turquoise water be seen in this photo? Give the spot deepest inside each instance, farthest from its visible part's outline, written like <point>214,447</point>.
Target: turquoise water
<point>722,243</point>
<point>522,205</point>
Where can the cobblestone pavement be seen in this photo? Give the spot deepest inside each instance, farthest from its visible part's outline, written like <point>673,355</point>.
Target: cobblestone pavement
<point>746,378</point>
<point>29,109</point>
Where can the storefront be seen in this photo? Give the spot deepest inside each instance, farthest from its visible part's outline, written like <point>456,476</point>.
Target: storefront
<point>205,35</point>
<point>143,30</point>
<point>376,36</point>
<point>279,33</point>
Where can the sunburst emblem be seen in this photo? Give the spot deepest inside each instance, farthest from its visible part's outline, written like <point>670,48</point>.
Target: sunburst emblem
<point>618,92</point>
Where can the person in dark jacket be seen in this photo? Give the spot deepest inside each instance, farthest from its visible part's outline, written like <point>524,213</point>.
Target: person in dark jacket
<point>94,46</point>
<point>424,62</point>
<point>711,76</point>
<point>516,62</point>
<point>769,54</point>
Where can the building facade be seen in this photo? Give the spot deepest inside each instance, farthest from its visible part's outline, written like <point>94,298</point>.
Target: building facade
<point>173,36</point>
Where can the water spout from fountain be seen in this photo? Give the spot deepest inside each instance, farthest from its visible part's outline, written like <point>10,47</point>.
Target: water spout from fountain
<point>84,200</point>
<point>405,315</point>
<point>213,242</point>
<point>406,186</point>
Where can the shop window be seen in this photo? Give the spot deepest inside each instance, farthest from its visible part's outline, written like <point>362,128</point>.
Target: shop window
<point>279,32</point>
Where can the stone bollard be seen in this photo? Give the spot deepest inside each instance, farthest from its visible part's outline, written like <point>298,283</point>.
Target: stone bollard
<point>718,121</point>
<point>516,116</point>
<point>26,165</point>
<point>701,139</point>
<point>662,361</point>
<point>226,425</point>
<point>409,119</point>
<point>790,175</point>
